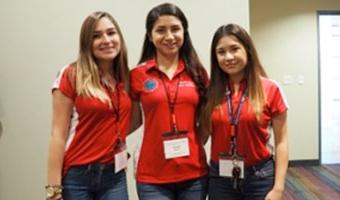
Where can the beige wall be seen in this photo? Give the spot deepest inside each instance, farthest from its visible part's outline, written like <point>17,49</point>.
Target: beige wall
<point>37,38</point>
<point>285,33</point>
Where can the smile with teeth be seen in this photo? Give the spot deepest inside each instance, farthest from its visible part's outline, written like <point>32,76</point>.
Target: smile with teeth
<point>230,64</point>
<point>170,46</point>
<point>105,49</point>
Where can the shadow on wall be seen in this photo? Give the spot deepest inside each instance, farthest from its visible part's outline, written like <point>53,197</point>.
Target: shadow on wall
<point>0,129</point>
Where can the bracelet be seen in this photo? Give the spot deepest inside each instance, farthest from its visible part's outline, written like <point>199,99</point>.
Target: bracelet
<point>53,190</point>
<point>54,186</point>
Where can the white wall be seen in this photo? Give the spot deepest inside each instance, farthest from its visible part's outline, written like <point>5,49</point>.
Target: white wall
<point>285,33</point>
<point>37,38</point>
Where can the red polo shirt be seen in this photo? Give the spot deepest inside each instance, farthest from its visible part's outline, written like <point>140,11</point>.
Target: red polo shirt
<point>147,87</point>
<point>252,138</point>
<point>93,128</point>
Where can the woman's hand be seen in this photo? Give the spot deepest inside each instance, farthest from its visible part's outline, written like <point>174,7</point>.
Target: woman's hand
<point>274,194</point>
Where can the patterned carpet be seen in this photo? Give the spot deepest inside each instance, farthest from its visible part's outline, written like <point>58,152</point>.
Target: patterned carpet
<point>313,182</point>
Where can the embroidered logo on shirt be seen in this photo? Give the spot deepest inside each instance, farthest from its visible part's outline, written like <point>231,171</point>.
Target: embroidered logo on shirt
<point>186,84</point>
<point>150,85</point>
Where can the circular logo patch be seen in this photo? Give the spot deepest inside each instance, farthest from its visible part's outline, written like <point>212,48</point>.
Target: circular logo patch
<point>150,85</point>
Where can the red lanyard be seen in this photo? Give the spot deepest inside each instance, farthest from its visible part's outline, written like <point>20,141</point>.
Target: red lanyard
<point>171,102</point>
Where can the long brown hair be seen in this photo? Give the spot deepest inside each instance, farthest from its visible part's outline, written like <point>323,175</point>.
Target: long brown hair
<point>193,65</point>
<point>88,78</point>
<point>219,79</point>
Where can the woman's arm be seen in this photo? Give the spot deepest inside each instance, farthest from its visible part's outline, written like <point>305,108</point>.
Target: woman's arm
<point>281,155</point>
<point>136,117</point>
<point>62,110</point>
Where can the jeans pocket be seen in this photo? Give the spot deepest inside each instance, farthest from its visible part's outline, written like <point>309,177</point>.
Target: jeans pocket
<point>265,171</point>
<point>76,175</point>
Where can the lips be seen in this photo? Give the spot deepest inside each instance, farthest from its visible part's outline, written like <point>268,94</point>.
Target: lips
<point>106,48</point>
<point>170,46</point>
<point>230,64</point>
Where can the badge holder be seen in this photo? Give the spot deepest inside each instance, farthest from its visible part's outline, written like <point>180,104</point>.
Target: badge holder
<point>176,144</point>
<point>231,167</point>
<point>121,156</point>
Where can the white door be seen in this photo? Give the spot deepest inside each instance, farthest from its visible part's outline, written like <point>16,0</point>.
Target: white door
<point>329,65</point>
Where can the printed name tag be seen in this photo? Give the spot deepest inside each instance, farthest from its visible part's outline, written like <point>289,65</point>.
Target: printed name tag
<point>226,167</point>
<point>121,159</point>
<point>176,148</point>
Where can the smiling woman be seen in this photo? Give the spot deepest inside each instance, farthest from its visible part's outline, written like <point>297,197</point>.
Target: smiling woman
<point>169,83</point>
<point>167,35</point>
<point>106,41</point>
<point>242,106</point>
<point>91,114</point>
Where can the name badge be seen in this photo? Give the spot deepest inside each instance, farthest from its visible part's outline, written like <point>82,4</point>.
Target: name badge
<point>175,148</point>
<point>227,166</point>
<point>121,157</point>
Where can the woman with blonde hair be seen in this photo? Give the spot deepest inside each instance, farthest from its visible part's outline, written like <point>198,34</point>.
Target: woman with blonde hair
<point>91,114</point>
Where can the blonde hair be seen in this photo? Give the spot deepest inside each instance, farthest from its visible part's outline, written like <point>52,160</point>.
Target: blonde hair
<point>88,75</point>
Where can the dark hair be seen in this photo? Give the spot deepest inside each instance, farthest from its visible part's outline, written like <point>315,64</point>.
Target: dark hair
<point>219,79</point>
<point>187,52</point>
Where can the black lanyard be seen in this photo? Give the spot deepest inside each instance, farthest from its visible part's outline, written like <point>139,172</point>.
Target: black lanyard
<point>171,102</point>
<point>234,119</point>
<point>116,106</point>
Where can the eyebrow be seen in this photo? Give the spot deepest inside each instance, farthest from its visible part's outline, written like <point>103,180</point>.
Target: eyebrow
<point>108,29</point>
<point>171,26</point>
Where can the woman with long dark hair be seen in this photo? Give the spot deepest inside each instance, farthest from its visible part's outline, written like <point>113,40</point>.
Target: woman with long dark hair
<point>242,106</point>
<point>169,82</point>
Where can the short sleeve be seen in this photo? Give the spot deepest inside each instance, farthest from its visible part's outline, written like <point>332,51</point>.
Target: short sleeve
<point>136,84</point>
<point>64,80</point>
<point>277,100</point>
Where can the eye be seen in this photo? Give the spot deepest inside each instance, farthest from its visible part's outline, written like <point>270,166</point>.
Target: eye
<point>160,30</point>
<point>175,29</point>
<point>96,35</point>
<point>234,49</point>
<point>111,33</point>
<point>220,52</point>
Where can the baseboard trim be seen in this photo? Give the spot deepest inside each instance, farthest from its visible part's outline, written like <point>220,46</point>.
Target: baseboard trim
<point>294,163</point>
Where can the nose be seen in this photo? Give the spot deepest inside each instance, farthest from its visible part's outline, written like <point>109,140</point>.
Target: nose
<point>228,56</point>
<point>169,35</point>
<point>105,38</point>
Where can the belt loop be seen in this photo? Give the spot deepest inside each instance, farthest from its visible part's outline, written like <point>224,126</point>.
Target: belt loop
<point>89,167</point>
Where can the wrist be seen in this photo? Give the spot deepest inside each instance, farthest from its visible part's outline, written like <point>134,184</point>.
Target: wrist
<point>278,188</point>
<point>52,191</point>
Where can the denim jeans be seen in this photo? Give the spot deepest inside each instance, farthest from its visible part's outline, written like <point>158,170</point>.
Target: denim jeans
<point>195,189</point>
<point>94,182</point>
<point>258,181</point>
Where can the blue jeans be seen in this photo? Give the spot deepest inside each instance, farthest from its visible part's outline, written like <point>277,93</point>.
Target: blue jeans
<point>258,181</point>
<point>94,182</point>
<point>195,189</point>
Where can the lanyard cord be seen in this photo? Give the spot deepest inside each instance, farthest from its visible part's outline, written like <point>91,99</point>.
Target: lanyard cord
<point>116,107</point>
<point>234,120</point>
<point>171,102</point>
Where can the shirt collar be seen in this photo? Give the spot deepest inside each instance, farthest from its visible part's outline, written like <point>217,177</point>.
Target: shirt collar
<point>152,64</point>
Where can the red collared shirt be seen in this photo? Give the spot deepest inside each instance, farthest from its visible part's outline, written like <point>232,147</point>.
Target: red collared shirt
<point>252,138</point>
<point>93,127</point>
<point>147,87</point>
